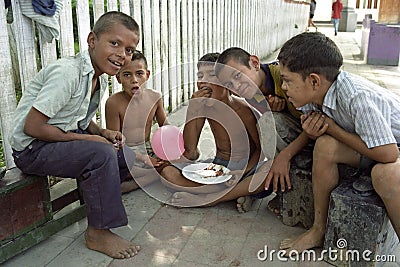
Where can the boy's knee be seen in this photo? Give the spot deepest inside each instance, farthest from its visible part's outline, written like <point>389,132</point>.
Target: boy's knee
<point>386,179</point>
<point>103,152</point>
<point>325,146</point>
<point>170,173</point>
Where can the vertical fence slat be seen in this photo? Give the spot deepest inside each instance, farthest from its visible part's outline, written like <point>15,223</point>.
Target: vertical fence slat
<point>156,50</point>
<point>147,39</point>
<point>124,6</point>
<point>136,13</point>
<point>192,38</point>
<point>185,48</point>
<point>164,47</point>
<point>172,45</point>
<point>7,92</point>
<point>178,55</point>
<point>66,34</point>
<point>98,9</point>
<point>26,47</point>
<point>201,31</point>
<point>83,21</point>
<point>112,5</point>
<point>48,51</point>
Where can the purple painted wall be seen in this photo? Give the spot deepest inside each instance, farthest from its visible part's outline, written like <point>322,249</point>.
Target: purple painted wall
<point>383,44</point>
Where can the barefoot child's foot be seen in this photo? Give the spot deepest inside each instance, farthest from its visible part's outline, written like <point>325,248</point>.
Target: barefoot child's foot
<point>185,199</point>
<point>128,186</point>
<point>244,203</point>
<point>311,239</point>
<point>274,206</point>
<point>105,241</point>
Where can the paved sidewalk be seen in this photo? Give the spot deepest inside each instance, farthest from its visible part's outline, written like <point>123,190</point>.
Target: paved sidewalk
<point>216,236</point>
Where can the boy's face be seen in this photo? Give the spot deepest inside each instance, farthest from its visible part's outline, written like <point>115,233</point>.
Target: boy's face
<point>112,49</point>
<point>132,76</point>
<point>299,91</point>
<point>240,79</point>
<point>207,80</point>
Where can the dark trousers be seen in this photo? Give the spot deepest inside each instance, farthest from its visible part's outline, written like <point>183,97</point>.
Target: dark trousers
<point>100,166</point>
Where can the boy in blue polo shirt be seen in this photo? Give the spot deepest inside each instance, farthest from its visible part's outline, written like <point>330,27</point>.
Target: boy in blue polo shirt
<point>54,133</point>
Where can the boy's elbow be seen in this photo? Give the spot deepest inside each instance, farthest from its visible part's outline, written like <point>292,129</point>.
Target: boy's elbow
<point>28,130</point>
<point>390,158</point>
<point>389,154</point>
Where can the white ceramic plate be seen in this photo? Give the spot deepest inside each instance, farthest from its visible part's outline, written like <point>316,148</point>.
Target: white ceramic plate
<point>196,173</point>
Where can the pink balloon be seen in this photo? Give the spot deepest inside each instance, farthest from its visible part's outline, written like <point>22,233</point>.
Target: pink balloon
<point>167,142</point>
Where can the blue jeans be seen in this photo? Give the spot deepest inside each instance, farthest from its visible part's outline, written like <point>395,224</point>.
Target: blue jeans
<point>336,24</point>
<point>100,166</point>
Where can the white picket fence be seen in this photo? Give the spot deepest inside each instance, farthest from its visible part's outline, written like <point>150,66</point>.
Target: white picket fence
<point>174,35</point>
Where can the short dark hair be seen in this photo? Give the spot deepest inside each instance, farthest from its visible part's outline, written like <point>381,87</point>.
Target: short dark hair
<point>237,54</point>
<point>311,52</point>
<point>109,19</point>
<point>209,58</point>
<point>137,55</point>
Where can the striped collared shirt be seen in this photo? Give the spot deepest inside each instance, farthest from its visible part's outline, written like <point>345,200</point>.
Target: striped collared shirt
<point>360,106</point>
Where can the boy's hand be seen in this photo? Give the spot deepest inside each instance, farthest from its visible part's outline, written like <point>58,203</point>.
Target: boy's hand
<point>314,124</point>
<point>97,138</point>
<point>115,137</point>
<point>155,162</point>
<point>279,173</point>
<point>202,92</point>
<point>276,103</point>
<point>236,176</point>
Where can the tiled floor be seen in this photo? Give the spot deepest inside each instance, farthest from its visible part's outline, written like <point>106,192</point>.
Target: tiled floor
<point>216,236</point>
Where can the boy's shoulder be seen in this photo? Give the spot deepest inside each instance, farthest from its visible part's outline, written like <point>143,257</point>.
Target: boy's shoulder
<point>71,65</point>
<point>152,93</point>
<point>115,98</point>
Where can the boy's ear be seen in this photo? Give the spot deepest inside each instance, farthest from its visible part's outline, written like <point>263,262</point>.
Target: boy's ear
<point>254,62</point>
<point>91,39</point>
<point>315,80</point>
<point>148,73</point>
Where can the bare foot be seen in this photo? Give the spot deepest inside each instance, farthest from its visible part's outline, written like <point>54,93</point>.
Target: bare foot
<point>128,186</point>
<point>244,203</point>
<point>105,241</point>
<point>310,239</point>
<point>274,206</point>
<point>184,199</point>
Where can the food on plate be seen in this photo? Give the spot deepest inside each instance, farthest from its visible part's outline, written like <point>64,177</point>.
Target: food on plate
<point>212,170</point>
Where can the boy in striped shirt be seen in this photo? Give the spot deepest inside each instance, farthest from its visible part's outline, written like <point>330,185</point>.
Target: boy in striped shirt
<point>353,120</point>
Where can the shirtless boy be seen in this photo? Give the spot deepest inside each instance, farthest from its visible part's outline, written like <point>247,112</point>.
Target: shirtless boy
<point>125,109</point>
<point>230,120</point>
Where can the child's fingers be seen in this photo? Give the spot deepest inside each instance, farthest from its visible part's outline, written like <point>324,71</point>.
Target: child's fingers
<point>268,180</point>
<point>289,184</point>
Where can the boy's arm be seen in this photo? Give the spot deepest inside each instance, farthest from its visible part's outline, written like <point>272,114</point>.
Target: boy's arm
<point>191,136</point>
<point>383,154</point>
<point>36,126</point>
<point>250,123</point>
<point>161,117</point>
<point>113,121</point>
<point>279,171</point>
<point>192,129</point>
